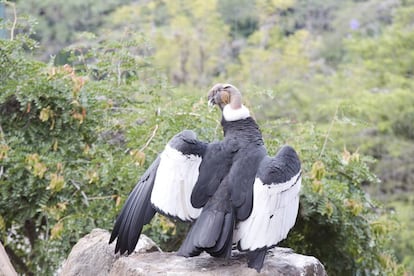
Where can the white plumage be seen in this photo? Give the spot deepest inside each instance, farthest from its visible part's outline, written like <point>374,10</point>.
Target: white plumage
<point>275,206</point>
<point>230,114</point>
<point>174,182</point>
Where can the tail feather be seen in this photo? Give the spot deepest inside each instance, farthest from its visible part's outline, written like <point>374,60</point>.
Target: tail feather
<point>223,246</point>
<point>208,230</point>
<point>212,232</point>
<point>187,248</point>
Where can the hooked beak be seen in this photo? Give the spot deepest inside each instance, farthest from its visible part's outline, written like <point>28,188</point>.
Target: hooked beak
<point>211,102</point>
<point>214,95</point>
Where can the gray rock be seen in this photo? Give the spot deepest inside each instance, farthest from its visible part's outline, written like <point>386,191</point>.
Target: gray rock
<point>6,268</point>
<point>92,255</point>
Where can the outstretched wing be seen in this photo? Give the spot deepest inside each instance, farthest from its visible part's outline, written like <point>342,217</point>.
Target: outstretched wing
<point>165,187</point>
<point>176,176</point>
<point>137,212</point>
<point>275,202</point>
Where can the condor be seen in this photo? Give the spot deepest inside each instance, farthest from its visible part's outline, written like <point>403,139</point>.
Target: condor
<point>231,190</point>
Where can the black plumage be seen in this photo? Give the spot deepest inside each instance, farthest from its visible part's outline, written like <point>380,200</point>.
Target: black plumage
<point>136,212</point>
<point>233,189</point>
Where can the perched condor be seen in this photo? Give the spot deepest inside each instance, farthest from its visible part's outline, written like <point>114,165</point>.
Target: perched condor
<point>232,190</point>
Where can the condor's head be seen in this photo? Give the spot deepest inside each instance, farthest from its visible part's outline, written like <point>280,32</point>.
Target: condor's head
<point>223,94</point>
<point>229,99</point>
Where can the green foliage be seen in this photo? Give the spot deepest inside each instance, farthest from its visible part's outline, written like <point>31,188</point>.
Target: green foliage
<point>338,222</point>
<point>55,169</point>
<point>75,139</point>
<point>405,241</point>
<point>239,16</point>
<point>191,56</point>
<point>47,134</point>
<point>59,21</point>
<point>384,62</point>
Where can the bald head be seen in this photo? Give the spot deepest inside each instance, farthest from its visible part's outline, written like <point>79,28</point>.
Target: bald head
<point>223,94</point>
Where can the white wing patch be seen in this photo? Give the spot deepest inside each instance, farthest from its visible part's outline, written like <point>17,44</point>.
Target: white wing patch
<point>275,208</point>
<point>174,182</point>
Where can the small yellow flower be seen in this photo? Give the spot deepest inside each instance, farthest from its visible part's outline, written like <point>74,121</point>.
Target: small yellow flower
<point>318,170</point>
<point>57,230</point>
<point>138,156</point>
<point>3,151</point>
<point>57,182</point>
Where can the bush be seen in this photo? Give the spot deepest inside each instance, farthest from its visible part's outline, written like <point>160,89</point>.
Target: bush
<point>48,136</point>
<point>403,125</point>
<point>338,222</point>
<point>63,153</point>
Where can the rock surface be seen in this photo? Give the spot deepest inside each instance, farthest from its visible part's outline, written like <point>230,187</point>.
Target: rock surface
<point>92,255</point>
<point>6,268</point>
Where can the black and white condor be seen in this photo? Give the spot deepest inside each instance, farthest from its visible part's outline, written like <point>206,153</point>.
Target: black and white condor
<point>231,190</point>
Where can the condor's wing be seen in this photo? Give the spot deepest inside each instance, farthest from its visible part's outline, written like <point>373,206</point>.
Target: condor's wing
<point>137,212</point>
<point>165,187</point>
<point>176,176</point>
<point>275,202</point>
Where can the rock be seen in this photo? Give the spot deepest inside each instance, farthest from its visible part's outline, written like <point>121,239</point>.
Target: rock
<point>92,255</point>
<point>6,268</point>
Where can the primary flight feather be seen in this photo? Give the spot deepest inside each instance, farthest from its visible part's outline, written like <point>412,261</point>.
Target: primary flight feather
<point>231,190</point>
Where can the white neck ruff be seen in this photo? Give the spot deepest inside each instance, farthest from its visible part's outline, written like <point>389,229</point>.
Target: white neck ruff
<point>231,114</point>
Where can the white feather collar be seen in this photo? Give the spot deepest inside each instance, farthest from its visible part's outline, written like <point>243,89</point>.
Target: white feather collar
<point>231,114</point>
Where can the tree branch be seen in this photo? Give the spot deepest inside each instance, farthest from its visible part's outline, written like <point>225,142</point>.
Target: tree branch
<point>85,197</point>
<point>329,132</point>
<point>150,139</point>
<point>3,140</point>
<point>102,197</point>
<point>13,5</point>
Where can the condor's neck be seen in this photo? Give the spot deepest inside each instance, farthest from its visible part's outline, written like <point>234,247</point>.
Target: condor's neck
<point>234,114</point>
<point>243,129</point>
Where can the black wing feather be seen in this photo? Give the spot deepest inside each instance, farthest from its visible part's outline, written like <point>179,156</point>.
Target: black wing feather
<point>187,143</point>
<point>214,167</point>
<point>136,212</point>
<point>242,177</point>
<point>281,168</point>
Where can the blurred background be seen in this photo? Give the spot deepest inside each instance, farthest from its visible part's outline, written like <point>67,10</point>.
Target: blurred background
<point>92,90</point>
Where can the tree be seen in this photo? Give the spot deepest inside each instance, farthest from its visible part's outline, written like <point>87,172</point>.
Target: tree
<point>239,16</point>
<point>192,57</point>
<point>46,136</point>
<point>58,22</point>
